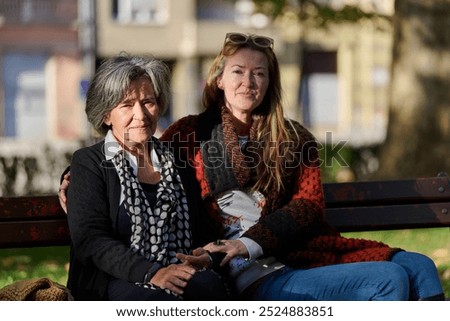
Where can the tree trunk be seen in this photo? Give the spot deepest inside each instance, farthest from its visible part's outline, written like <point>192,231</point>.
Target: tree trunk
<point>418,136</point>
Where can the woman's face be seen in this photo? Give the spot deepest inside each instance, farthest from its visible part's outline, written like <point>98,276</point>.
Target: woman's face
<point>135,118</point>
<point>244,80</point>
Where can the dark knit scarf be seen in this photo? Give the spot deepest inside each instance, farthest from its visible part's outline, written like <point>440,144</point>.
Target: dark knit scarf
<point>226,165</point>
<point>160,233</point>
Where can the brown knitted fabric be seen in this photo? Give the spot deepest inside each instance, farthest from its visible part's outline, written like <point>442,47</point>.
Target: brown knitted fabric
<point>240,168</point>
<point>335,249</point>
<point>42,289</point>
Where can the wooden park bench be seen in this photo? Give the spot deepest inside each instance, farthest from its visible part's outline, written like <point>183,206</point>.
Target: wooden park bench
<point>31,221</point>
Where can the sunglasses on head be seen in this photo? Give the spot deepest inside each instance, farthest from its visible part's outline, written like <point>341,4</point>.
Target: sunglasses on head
<point>240,38</point>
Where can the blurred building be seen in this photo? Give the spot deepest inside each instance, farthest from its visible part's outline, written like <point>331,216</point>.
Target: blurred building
<point>40,70</point>
<point>343,70</point>
<point>345,73</point>
<point>335,79</point>
<point>186,34</point>
<point>41,67</point>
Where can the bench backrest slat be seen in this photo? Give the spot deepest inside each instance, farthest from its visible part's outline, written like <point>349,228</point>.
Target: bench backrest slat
<point>373,218</point>
<point>31,221</point>
<point>420,190</point>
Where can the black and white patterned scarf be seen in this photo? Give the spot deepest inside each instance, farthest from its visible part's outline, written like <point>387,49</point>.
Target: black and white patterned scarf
<point>160,233</point>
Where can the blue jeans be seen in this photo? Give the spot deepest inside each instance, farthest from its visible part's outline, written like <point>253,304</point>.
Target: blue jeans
<point>408,276</point>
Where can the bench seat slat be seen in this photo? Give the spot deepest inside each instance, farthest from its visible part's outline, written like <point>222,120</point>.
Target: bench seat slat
<point>373,218</point>
<point>34,233</point>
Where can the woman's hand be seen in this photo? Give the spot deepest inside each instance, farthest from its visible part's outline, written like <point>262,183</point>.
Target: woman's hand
<point>232,248</point>
<point>200,259</point>
<point>174,277</point>
<point>62,191</point>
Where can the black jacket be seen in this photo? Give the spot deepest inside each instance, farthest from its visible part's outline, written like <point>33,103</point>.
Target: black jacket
<point>97,254</point>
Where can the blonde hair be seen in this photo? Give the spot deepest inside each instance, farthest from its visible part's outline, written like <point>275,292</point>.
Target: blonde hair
<point>273,133</point>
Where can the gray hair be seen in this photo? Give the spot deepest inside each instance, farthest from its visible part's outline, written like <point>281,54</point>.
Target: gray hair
<point>113,78</point>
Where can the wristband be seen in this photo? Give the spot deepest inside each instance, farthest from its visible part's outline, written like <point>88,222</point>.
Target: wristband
<point>210,261</point>
<point>151,272</point>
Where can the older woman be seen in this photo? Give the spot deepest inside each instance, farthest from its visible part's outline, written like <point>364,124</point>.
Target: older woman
<point>259,177</point>
<point>127,209</point>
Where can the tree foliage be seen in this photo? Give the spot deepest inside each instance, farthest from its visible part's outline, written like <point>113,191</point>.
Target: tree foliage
<point>316,12</point>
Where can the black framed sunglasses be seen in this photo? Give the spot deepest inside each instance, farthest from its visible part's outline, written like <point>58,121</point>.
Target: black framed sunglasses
<point>240,38</point>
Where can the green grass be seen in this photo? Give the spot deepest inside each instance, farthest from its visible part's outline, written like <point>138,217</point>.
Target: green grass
<point>52,262</point>
<point>20,264</point>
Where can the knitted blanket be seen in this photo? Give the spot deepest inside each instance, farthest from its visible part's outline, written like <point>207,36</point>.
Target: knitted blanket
<point>42,289</point>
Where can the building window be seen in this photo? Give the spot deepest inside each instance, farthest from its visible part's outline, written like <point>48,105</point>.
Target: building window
<point>215,10</point>
<point>319,89</point>
<point>25,111</point>
<point>43,12</point>
<point>141,11</point>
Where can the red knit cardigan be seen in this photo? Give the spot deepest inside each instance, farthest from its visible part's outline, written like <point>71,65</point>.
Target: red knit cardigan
<point>291,227</point>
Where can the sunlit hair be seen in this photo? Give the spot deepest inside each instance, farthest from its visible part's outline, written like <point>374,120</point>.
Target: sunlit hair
<point>112,80</point>
<point>273,131</point>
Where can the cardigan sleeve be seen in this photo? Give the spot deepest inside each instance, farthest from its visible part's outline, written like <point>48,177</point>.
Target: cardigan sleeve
<point>92,229</point>
<point>293,222</point>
